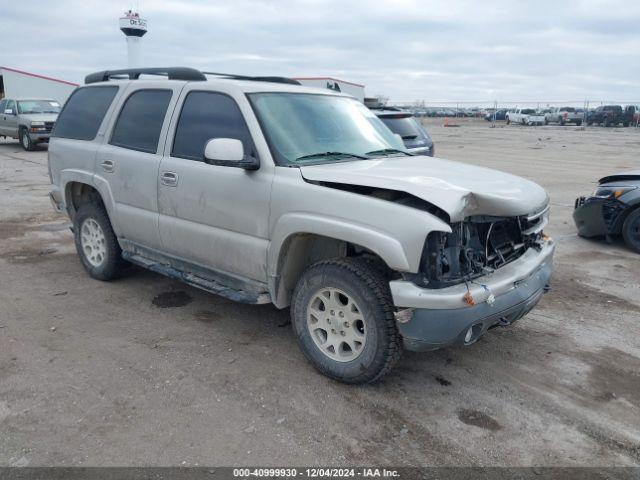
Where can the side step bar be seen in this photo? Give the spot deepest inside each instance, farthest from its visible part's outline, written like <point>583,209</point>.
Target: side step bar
<point>202,283</point>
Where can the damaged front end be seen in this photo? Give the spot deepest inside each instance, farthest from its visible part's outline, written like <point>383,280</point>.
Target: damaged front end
<point>478,246</point>
<point>602,213</point>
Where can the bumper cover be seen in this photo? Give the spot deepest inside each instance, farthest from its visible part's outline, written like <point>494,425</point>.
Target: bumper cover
<point>595,216</point>
<point>441,318</point>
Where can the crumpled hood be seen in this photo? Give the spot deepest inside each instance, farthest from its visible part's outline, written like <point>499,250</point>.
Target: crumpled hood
<point>459,189</point>
<point>39,117</point>
<point>616,177</point>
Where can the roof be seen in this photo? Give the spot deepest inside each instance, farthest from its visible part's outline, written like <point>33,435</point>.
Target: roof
<point>51,79</point>
<point>329,78</point>
<point>246,86</point>
<point>381,112</point>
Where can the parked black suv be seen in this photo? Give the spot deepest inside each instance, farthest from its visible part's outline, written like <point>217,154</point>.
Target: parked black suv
<point>403,123</point>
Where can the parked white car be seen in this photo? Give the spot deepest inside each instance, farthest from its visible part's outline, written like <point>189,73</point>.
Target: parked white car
<point>525,116</point>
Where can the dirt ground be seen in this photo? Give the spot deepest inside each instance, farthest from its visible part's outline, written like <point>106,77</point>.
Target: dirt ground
<point>146,371</point>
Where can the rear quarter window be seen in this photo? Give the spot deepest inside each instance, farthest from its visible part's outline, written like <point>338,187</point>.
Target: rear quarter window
<point>83,113</point>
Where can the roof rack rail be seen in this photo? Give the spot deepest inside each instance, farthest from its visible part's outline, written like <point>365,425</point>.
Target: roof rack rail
<point>172,73</point>
<point>232,76</point>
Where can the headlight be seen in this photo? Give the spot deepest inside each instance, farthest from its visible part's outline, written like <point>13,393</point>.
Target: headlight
<point>612,192</point>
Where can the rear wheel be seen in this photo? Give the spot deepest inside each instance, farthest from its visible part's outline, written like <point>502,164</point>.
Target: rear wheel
<point>96,242</point>
<point>342,316</point>
<point>631,230</point>
<point>508,121</point>
<point>25,140</point>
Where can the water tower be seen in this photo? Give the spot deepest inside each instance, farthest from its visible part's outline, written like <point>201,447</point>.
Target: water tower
<point>134,28</point>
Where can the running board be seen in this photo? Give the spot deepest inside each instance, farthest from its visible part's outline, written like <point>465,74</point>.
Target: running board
<point>205,284</point>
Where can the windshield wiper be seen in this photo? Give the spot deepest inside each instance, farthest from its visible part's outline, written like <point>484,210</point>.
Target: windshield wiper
<point>330,154</point>
<point>387,151</point>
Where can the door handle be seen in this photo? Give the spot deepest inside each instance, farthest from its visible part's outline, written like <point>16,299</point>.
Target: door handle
<point>107,165</point>
<point>169,179</point>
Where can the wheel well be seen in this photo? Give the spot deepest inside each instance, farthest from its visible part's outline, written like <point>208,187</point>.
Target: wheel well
<point>619,225</point>
<point>77,194</point>
<point>302,250</point>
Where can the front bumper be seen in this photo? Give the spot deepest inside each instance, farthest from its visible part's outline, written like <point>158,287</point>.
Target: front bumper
<point>39,136</point>
<point>441,318</point>
<point>595,216</point>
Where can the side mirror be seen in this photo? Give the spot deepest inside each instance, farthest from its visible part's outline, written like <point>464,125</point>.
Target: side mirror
<point>228,152</point>
<point>8,111</point>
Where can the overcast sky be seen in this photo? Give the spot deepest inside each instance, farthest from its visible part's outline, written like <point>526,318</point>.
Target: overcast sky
<point>477,50</point>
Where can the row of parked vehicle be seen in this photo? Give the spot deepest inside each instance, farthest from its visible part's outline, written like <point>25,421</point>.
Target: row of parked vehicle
<point>606,116</point>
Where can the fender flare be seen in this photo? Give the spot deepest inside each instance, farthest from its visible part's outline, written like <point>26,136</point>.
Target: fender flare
<point>381,243</point>
<point>69,176</point>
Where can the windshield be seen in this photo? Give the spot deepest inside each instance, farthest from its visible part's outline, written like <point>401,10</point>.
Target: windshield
<point>307,128</point>
<point>406,127</point>
<point>38,106</point>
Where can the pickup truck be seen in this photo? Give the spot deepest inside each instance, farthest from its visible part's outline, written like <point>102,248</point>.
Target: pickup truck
<point>563,116</point>
<point>607,116</point>
<point>29,120</point>
<point>264,191</point>
<point>525,116</point>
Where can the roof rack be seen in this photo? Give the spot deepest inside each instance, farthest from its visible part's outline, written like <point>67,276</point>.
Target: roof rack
<point>232,76</point>
<point>177,73</point>
<point>172,73</point>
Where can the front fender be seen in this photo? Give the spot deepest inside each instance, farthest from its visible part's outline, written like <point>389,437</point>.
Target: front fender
<point>381,243</point>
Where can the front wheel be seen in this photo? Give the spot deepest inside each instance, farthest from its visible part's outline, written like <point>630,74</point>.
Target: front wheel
<point>631,230</point>
<point>342,316</point>
<point>96,242</point>
<point>25,140</point>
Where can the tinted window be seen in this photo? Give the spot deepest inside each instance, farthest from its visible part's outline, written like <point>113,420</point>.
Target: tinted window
<point>207,115</point>
<point>140,121</point>
<point>83,113</point>
<point>406,127</point>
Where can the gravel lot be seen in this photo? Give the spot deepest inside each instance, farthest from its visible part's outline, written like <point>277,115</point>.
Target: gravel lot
<point>147,371</point>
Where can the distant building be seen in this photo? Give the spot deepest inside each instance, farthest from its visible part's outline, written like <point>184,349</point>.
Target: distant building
<point>354,89</point>
<point>16,83</point>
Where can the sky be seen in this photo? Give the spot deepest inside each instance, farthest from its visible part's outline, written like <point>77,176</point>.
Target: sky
<point>408,50</point>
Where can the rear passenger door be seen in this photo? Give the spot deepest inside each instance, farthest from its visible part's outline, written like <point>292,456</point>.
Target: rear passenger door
<point>129,161</point>
<point>211,215</point>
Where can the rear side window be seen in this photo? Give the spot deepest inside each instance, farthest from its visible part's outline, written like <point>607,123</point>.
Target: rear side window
<point>82,115</point>
<point>207,115</point>
<point>140,121</point>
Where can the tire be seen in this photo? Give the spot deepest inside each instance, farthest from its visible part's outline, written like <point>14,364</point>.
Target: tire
<point>631,230</point>
<point>579,122</point>
<point>96,243</point>
<point>625,124</point>
<point>562,122</point>
<point>589,123</point>
<point>605,123</point>
<point>546,121</point>
<point>25,140</point>
<point>508,121</point>
<point>354,290</point>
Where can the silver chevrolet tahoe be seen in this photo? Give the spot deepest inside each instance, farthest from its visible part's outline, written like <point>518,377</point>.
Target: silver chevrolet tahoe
<point>261,190</point>
<point>30,120</point>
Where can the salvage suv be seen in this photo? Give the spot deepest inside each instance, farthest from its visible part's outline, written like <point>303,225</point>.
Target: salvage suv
<point>261,190</point>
